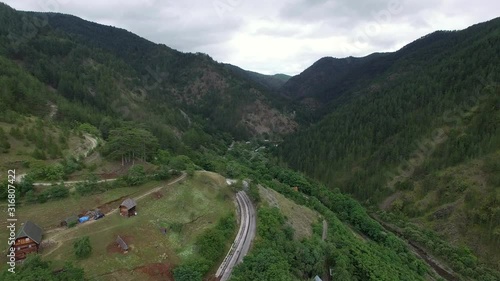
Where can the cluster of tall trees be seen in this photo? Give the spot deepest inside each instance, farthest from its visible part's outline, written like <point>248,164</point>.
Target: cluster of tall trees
<point>129,144</point>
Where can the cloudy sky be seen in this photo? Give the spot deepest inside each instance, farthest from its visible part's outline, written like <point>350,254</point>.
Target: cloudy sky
<point>276,36</point>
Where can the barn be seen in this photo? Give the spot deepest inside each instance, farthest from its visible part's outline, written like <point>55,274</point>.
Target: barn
<point>128,208</point>
<point>28,240</point>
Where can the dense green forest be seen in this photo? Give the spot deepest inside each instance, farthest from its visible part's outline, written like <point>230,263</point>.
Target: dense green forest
<point>435,108</point>
<point>377,255</point>
<point>102,74</point>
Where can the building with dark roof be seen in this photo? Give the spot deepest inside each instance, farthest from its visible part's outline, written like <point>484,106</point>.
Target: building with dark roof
<point>70,221</point>
<point>121,243</point>
<point>28,240</point>
<point>128,208</point>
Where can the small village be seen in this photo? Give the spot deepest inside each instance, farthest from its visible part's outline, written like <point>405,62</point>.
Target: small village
<point>29,237</point>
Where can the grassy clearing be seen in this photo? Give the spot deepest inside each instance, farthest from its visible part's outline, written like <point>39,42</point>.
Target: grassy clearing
<point>299,217</point>
<point>50,214</point>
<point>195,204</point>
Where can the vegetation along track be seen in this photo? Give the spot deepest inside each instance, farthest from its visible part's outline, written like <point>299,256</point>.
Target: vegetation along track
<point>243,240</point>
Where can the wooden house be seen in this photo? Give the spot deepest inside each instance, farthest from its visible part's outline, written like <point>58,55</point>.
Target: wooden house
<point>28,240</point>
<point>128,208</point>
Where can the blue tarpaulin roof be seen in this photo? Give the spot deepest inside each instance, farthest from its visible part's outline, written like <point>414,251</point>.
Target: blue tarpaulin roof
<point>83,219</point>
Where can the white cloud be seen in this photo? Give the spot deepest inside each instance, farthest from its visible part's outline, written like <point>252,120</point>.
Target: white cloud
<point>282,36</point>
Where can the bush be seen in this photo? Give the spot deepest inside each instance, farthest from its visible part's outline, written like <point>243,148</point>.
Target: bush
<point>136,175</point>
<point>57,192</point>
<point>83,188</point>
<point>52,193</point>
<point>180,162</point>
<point>253,193</point>
<point>90,186</point>
<point>26,185</point>
<point>87,128</point>
<point>82,247</point>
<point>163,173</point>
<point>192,270</point>
<point>190,170</point>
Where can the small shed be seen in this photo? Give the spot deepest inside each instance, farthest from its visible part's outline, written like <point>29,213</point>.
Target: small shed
<point>121,243</point>
<point>316,278</point>
<point>70,221</point>
<point>28,240</point>
<point>128,208</point>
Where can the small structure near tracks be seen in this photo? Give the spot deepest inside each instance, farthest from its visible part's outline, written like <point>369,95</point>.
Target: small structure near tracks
<point>70,221</point>
<point>128,208</point>
<point>121,243</point>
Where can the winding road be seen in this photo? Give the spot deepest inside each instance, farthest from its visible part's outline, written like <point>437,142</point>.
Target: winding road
<point>244,238</point>
<point>91,145</point>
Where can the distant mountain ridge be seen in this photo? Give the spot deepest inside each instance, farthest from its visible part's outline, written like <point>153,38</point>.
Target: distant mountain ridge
<point>161,76</point>
<point>269,82</point>
<point>331,78</point>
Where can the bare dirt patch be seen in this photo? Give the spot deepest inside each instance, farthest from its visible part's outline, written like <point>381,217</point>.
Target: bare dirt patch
<point>157,195</point>
<point>157,271</point>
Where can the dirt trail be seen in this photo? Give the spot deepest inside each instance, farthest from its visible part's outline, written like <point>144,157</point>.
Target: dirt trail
<point>93,144</point>
<point>325,230</point>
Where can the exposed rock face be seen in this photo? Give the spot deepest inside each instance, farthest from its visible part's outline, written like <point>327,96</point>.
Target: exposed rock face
<point>260,118</point>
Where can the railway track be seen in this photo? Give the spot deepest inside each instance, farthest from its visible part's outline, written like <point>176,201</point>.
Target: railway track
<point>243,240</point>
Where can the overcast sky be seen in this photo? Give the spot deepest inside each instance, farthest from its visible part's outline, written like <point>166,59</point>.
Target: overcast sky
<point>276,36</point>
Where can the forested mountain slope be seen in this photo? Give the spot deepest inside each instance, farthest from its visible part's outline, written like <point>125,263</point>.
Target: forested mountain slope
<point>333,81</point>
<point>110,71</point>
<point>428,125</point>
<point>270,82</point>
<point>329,77</point>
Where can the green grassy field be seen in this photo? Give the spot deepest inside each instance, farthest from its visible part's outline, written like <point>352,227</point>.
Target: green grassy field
<point>299,217</point>
<point>195,204</point>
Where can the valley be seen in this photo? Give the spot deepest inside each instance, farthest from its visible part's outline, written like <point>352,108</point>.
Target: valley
<point>137,161</point>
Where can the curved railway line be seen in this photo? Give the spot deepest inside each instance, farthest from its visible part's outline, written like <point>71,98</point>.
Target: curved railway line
<point>243,240</point>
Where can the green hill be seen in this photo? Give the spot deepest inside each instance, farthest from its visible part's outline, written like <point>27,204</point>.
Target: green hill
<point>423,133</point>
<point>111,72</point>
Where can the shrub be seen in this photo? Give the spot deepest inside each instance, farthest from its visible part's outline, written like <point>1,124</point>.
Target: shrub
<point>191,271</point>
<point>163,173</point>
<point>136,175</point>
<point>82,247</point>
<point>180,162</point>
